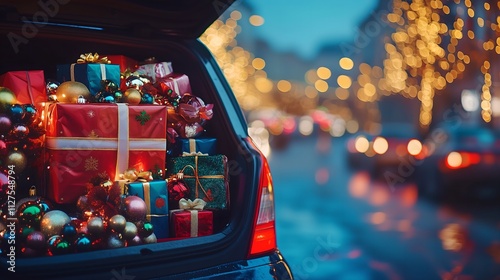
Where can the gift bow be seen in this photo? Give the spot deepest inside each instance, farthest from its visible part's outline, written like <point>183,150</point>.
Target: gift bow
<point>187,204</point>
<point>133,175</point>
<point>92,58</point>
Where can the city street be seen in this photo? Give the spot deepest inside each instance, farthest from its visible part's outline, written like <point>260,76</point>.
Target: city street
<point>337,223</point>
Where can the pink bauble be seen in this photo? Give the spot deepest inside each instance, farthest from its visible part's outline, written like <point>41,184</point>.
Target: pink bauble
<point>135,208</point>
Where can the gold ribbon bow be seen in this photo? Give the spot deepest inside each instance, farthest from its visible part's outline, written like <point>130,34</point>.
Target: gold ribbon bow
<point>133,175</point>
<point>92,58</point>
<point>187,204</point>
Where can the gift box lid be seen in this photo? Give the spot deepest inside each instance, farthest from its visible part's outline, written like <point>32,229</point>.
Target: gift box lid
<point>187,18</point>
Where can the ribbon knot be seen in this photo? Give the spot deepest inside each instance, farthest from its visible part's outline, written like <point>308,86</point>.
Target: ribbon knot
<point>187,204</point>
<point>133,175</point>
<point>92,58</point>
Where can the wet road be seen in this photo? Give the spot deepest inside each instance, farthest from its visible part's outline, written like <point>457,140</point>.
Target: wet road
<point>338,223</point>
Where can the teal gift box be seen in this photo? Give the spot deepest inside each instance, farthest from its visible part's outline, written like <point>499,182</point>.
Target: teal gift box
<point>205,176</point>
<point>154,193</point>
<point>89,74</point>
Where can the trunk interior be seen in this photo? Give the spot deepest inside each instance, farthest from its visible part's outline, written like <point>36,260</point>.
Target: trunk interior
<point>232,229</point>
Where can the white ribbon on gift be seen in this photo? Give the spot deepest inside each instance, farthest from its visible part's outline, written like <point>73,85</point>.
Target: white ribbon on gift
<point>123,144</point>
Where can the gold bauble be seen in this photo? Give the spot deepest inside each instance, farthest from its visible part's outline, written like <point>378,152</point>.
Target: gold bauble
<point>132,96</point>
<point>7,99</point>
<point>18,160</point>
<point>52,222</point>
<point>117,223</point>
<point>69,91</point>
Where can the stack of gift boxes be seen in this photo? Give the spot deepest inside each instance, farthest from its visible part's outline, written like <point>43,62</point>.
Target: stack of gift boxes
<point>116,155</point>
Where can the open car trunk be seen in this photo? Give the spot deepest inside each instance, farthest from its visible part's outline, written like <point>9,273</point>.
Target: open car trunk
<point>232,229</point>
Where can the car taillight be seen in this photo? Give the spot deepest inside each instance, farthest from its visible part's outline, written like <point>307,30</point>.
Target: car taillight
<point>457,160</point>
<point>264,234</point>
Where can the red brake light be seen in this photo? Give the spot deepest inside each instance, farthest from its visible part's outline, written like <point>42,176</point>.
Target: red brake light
<point>458,160</point>
<point>264,234</point>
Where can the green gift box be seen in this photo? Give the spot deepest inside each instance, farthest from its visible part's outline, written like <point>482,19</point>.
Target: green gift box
<point>205,176</point>
<point>89,74</point>
<point>154,193</point>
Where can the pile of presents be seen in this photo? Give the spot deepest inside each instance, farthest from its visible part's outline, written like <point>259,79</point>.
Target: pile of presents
<point>111,153</point>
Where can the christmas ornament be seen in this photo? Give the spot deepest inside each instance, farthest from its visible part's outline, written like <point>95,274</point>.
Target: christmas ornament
<point>29,213</point>
<point>109,86</point>
<point>18,160</point>
<point>56,245</point>
<point>132,96</point>
<point>130,231</point>
<point>27,252</point>
<point>177,189</point>
<point>147,98</point>
<point>52,222</point>
<point>95,226</point>
<point>5,124</point>
<point>7,99</point>
<point>114,241</point>
<point>150,239</point>
<point>134,82</point>
<point>3,148</point>
<point>16,112</point>
<point>134,241</point>
<point>145,229</point>
<point>24,231</point>
<point>68,231</point>
<point>117,223</point>
<point>51,87</point>
<point>69,91</point>
<point>82,243</point>
<point>135,208</point>
<point>29,114</point>
<point>20,131</point>
<point>83,203</point>
<point>36,240</point>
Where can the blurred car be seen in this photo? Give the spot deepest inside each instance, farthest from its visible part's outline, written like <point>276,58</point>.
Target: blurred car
<point>459,161</point>
<point>271,128</point>
<point>39,35</point>
<point>385,150</point>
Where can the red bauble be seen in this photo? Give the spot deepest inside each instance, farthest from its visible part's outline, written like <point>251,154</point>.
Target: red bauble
<point>36,240</point>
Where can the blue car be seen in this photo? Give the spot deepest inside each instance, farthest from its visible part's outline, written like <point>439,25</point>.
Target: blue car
<point>42,34</point>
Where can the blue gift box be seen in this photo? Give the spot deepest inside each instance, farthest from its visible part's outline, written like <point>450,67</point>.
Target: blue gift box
<point>154,193</point>
<point>89,74</point>
<point>195,145</point>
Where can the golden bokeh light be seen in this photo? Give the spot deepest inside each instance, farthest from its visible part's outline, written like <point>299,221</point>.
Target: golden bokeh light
<point>256,20</point>
<point>258,63</point>
<point>321,86</point>
<point>346,63</point>
<point>344,81</point>
<point>323,73</point>
<point>284,86</point>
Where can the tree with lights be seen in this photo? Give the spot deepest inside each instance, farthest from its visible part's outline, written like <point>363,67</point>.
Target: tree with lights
<point>435,44</point>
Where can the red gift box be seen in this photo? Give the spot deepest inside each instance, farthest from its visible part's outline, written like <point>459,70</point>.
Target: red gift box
<point>28,86</point>
<point>178,83</point>
<point>126,63</point>
<point>191,223</point>
<point>88,140</point>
